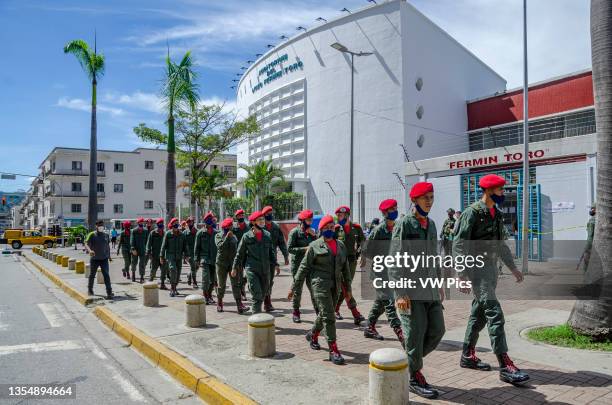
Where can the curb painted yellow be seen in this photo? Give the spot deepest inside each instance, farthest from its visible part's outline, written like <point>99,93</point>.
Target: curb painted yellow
<point>204,385</point>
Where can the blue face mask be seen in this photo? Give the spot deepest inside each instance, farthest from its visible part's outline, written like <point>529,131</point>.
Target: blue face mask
<point>140,226</point>
<point>160,226</point>
<point>420,210</point>
<point>392,216</point>
<point>175,226</point>
<point>498,199</point>
<point>342,221</point>
<point>241,220</point>
<point>268,217</point>
<point>328,233</point>
<point>225,230</point>
<point>208,221</point>
<point>214,226</point>
<point>305,225</point>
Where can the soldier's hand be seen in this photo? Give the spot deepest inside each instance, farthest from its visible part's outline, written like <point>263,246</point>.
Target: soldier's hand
<point>110,259</point>
<point>286,262</point>
<point>277,267</point>
<point>311,231</point>
<point>518,275</point>
<point>233,273</point>
<point>134,252</point>
<point>92,253</point>
<point>402,304</point>
<point>161,260</point>
<point>230,234</point>
<point>290,294</point>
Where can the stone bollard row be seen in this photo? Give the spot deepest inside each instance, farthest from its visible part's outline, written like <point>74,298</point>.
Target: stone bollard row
<point>79,267</point>
<point>150,294</point>
<point>388,377</point>
<point>262,340</point>
<point>58,259</point>
<point>87,270</point>
<point>65,261</point>
<point>195,311</point>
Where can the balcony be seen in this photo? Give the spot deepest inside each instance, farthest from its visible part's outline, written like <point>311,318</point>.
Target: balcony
<point>101,194</point>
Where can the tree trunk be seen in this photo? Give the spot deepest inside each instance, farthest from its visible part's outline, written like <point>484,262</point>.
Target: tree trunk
<point>170,173</point>
<point>594,317</point>
<point>92,202</point>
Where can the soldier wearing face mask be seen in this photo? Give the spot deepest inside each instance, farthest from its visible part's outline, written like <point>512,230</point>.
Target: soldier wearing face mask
<point>97,245</point>
<point>278,241</point>
<point>124,247</point>
<point>138,244</point>
<point>154,243</point>
<point>173,251</point>
<point>205,252</point>
<point>227,246</point>
<point>240,228</point>
<point>150,228</point>
<point>190,234</point>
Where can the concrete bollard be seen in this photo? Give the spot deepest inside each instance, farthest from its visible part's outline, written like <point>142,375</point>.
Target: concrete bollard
<point>100,277</point>
<point>71,264</point>
<point>195,311</point>
<point>150,294</point>
<point>79,267</point>
<point>52,257</point>
<point>262,340</point>
<point>65,261</point>
<point>388,380</point>
<point>87,270</point>
<point>58,259</point>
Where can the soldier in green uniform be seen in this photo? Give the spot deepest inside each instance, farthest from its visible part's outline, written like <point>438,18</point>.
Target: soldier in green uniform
<point>138,246</point>
<point>124,247</point>
<point>173,251</point>
<point>190,234</point>
<point>446,235</point>
<point>586,255</point>
<point>227,246</point>
<point>419,308</point>
<point>205,252</point>
<point>351,235</point>
<point>483,221</point>
<point>278,241</point>
<point>383,232</point>
<point>326,263</point>
<point>154,243</point>
<point>299,238</point>
<point>256,257</point>
<point>150,228</point>
<point>240,228</point>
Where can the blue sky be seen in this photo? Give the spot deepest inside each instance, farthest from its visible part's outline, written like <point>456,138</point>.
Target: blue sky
<point>45,96</point>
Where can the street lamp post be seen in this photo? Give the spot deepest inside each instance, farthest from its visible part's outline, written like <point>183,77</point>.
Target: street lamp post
<point>61,209</point>
<point>341,48</point>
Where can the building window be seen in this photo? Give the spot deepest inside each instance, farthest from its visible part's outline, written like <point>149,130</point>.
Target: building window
<point>419,84</point>
<point>118,167</point>
<point>100,166</point>
<point>118,188</point>
<point>76,208</point>
<point>420,111</point>
<point>76,187</point>
<point>148,184</point>
<point>100,208</point>
<point>148,204</point>
<point>100,187</point>
<point>149,164</point>
<point>118,208</point>
<point>77,165</point>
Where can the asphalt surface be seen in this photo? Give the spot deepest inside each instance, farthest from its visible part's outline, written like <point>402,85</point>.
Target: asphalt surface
<point>44,339</point>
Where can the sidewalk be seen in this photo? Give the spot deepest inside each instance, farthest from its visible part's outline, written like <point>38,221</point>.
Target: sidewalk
<point>303,376</point>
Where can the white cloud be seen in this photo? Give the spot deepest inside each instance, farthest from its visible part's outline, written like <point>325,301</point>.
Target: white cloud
<point>83,105</point>
<point>138,100</point>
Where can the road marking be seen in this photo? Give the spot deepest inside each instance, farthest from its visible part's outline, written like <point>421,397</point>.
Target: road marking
<point>41,347</point>
<point>55,314</point>
<point>95,349</point>
<point>125,385</point>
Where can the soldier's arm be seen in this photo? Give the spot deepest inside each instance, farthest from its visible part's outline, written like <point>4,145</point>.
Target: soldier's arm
<point>149,242</point>
<point>304,268</point>
<point>162,250</point>
<point>504,250</point>
<point>196,247</point>
<point>272,254</point>
<point>346,277</point>
<point>359,240</point>
<point>119,244</point>
<point>185,247</point>
<point>282,244</point>
<point>435,248</point>
<point>240,255</point>
<point>463,233</point>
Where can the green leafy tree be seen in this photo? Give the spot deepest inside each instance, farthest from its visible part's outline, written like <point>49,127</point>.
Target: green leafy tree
<point>260,179</point>
<point>93,64</point>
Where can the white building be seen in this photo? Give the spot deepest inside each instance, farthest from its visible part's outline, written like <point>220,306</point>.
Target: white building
<point>409,104</point>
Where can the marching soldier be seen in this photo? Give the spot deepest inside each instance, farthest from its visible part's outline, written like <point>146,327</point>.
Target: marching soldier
<point>256,256</point>
<point>227,246</point>
<point>446,235</point>
<point>150,228</point>
<point>420,308</point>
<point>383,232</point>
<point>240,229</point>
<point>183,226</point>
<point>278,241</point>
<point>352,237</point>
<point>124,247</point>
<point>138,245</point>
<point>483,221</point>
<point>205,252</point>
<point>299,238</point>
<point>173,251</point>
<point>190,234</point>
<point>326,263</point>
<point>154,243</point>
<point>586,255</point>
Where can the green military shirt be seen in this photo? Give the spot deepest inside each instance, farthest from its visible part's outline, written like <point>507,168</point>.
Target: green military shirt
<point>325,270</point>
<point>204,249</point>
<point>123,244</point>
<point>174,247</point>
<point>154,242</point>
<point>138,240</point>
<point>255,256</point>
<point>351,239</point>
<point>227,246</point>
<point>297,246</point>
<point>447,229</point>
<point>190,235</point>
<point>278,239</point>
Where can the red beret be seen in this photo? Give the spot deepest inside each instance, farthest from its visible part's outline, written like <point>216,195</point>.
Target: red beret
<point>127,224</point>
<point>327,219</point>
<point>420,189</point>
<point>159,221</point>
<point>209,214</point>
<point>239,212</point>
<point>227,223</point>
<point>386,204</point>
<point>172,222</point>
<point>343,209</point>
<point>266,209</point>
<point>183,223</point>
<point>140,220</point>
<point>491,180</point>
<point>305,215</point>
<point>255,215</point>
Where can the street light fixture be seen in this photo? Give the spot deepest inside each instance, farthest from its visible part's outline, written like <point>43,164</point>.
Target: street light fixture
<point>341,48</point>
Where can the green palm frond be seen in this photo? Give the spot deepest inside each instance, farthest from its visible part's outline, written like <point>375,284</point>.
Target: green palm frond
<point>179,86</point>
<point>92,63</point>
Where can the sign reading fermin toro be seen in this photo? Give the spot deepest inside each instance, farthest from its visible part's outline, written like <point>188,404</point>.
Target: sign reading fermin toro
<point>275,69</point>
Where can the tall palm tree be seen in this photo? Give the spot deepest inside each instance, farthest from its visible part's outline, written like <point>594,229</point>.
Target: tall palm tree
<point>260,178</point>
<point>594,317</point>
<point>93,64</point>
<point>209,187</point>
<point>179,90</point>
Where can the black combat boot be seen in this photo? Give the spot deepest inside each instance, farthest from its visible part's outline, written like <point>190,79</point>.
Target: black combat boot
<point>339,317</point>
<point>469,359</point>
<point>195,284</point>
<point>133,275</point>
<point>90,292</point>
<point>419,386</point>
<point>240,307</point>
<point>357,317</point>
<point>313,338</point>
<point>334,354</point>
<point>188,279</point>
<point>219,304</point>
<point>296,316</point>
<point>268,304</point>
<point>141,279</point>
<point>508,372</point>
<point>163,286</point>
<point>371,333</point>
<point>110,295</point>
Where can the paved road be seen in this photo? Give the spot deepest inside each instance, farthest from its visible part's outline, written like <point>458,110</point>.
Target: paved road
<point>44,340</point>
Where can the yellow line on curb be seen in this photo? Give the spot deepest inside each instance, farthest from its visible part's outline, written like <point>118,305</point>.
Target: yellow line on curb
<point>388,368</point>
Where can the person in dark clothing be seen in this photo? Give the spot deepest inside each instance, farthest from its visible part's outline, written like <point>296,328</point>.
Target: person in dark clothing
<point>97,245</point>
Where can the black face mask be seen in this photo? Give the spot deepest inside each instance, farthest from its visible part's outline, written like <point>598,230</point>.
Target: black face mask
<point>592,213</point>
<point>305,225</point>
<point>268,217</point>
<point>241,220</point>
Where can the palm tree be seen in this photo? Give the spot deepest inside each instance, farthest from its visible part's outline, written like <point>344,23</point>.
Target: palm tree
<point>93,64</point>
<point>260,178</point>
<point>209,187</point>
<point>179,90</point>
<point>594,317</point>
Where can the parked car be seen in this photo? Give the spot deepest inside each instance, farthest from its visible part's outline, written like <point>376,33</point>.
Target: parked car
<point>19,237</point>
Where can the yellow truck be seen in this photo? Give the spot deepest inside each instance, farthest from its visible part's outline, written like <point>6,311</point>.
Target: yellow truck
<point>19,237</point>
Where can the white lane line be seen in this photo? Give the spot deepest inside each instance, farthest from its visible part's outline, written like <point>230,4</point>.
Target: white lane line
<point>41,347</point>
<point>125,385</point>
<point>95,349</point>
<point>55,314</point>
<point>3,325</point>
